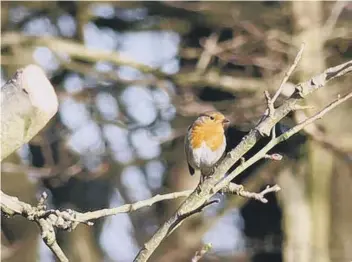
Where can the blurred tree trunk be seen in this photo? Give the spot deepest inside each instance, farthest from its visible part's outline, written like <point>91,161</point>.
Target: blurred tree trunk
<point>307,188</point>
<point>308,28</point>
<point>81,245</point>
<point>341,210</point>
<point>22,234</point>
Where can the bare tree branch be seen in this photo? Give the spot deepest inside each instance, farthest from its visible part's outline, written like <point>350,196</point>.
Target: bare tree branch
<point>233,188</point>
<point>70,218</point>
<point>49,220</point>
<point>131,207</point>
<point>287,75</point>
<point>216,182</point>
<point>11,206</point>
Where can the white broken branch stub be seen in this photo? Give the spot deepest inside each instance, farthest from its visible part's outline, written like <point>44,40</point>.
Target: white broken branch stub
<point>28,102</point>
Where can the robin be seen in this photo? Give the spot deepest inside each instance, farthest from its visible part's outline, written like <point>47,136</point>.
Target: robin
<point>205,142</point>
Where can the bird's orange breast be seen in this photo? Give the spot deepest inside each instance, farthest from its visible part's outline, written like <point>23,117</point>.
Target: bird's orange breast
<point>212,135</point>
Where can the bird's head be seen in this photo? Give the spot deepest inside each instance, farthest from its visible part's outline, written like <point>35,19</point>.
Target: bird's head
<point>213,118</point>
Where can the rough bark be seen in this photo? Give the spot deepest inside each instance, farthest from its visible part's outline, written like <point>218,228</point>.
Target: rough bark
<point>28,102</point>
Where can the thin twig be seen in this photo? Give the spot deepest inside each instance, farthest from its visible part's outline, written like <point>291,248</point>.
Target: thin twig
<point>131,207</point>
<point>288,73</point>
<point>260,196</point>
<point>271,100</point>
<point>209,47</point>
<point>233,188</point>
<point>302,107</point>
<point>49,237</point>
<point>276,157</point>
<point>199,254</point>
<point>269,103</point>
<point>331,21</point>
<point>179,217</point>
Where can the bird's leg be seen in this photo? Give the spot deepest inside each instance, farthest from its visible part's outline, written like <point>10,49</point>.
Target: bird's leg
<point>212,170</point>
<point>204,174</point>
<point>201,180</point>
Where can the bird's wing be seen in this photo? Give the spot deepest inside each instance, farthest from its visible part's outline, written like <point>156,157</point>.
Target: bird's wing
<point>190,168</point>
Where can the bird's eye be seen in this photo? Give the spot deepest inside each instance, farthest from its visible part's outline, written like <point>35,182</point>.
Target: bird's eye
<point>211,118</point>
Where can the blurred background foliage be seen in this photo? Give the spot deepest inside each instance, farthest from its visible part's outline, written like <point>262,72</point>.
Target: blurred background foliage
<point>130,77</point>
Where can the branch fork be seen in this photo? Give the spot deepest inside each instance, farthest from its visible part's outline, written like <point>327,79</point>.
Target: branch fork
<point>218,183</point>
<point>21,126</point>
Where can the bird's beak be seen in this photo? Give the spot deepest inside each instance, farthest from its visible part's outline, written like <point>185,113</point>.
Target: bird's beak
<point>225,122</point>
